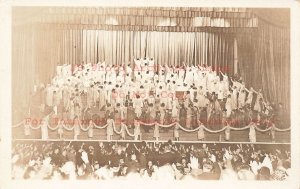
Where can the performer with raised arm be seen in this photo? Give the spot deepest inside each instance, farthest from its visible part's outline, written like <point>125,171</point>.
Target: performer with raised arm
<point>249,96</point>
<point>225,81</point>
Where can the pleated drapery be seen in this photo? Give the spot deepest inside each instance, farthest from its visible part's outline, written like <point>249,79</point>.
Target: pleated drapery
<point>264,62</point>
<point>171,48</point>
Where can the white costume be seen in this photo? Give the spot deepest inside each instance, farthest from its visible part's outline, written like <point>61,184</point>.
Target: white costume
<point>76,128</point>
<point>252,132</point>
<point>44,129</point>
<point>156,131</point>
<point>200,133</point>
<point>109,129</point>
<point>91,130</point>
<point>137,131</point>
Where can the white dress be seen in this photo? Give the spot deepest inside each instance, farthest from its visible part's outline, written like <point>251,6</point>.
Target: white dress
<point>249,98</point>
<point>175,112</point>
<point>234,99</point>
<point>138,104</point>
<point>227,134</point>
<point>156,131</point>
<point>200,133</point>
<point>257,106</point>
<point>109,129</point>
<point>176,131</point>
<point>220,91</point>
<point>91,131</point>
<point>44,130</point>
<point>137,131</point>
<point>241,99</point>
<point>252,133</point>
<point>201,98</point>
<point>228,106</point>
<point>76,130</point>
<point>123,131</point>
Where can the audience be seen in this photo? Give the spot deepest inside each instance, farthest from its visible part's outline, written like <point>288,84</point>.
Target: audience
<point>155,161</point>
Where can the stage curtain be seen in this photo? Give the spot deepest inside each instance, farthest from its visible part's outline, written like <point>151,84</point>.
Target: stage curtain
<point>215,50</point>
<point>171,48</point>
<point>23,68</point>
<point>264,61</point>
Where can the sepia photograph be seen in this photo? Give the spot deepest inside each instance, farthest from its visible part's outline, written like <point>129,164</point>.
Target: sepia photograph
<point>183,94</point>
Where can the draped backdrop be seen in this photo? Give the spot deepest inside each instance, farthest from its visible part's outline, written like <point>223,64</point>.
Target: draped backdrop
<point>171,36</point>
<point>264,56</point>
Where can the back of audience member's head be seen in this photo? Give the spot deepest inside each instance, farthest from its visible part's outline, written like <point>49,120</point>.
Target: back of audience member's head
<point>245,174</point>
<point>263,174</point>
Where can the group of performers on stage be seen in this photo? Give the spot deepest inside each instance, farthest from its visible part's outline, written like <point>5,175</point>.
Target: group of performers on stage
<point>147,91</point>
